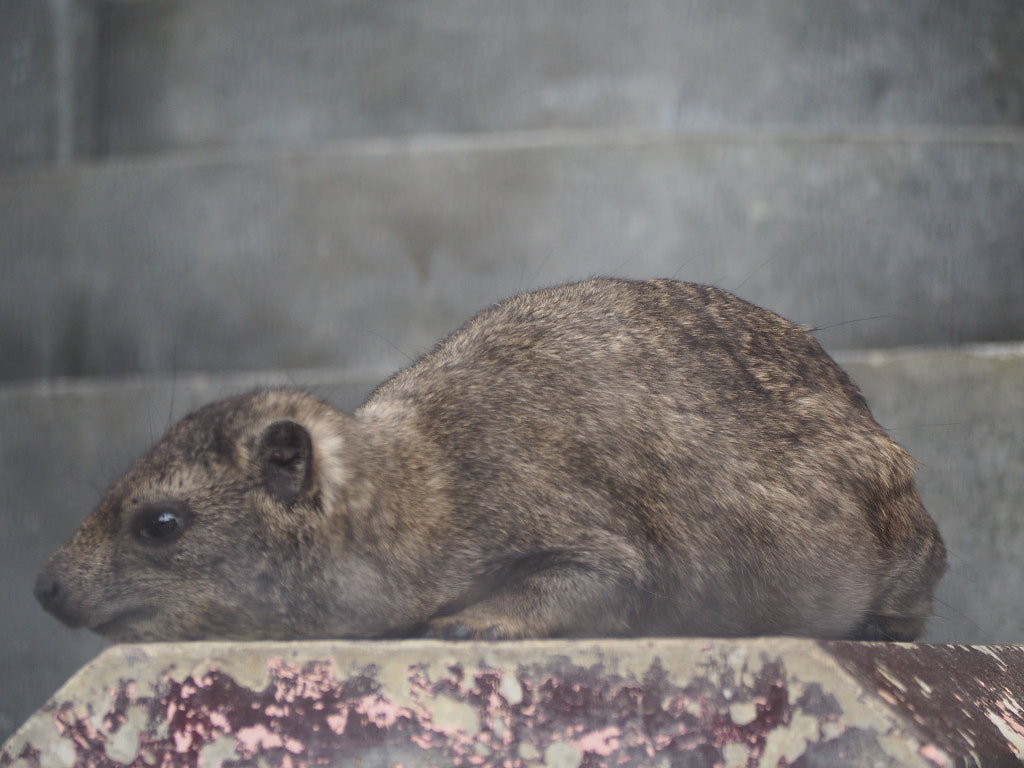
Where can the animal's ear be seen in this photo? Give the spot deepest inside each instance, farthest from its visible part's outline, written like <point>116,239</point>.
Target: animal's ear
<point>286,459</point>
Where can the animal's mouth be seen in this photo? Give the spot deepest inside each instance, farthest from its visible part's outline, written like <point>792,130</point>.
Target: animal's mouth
<point>123,626</point>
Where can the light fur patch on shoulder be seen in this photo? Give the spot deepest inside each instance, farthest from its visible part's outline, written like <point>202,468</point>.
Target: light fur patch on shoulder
<point>332,473</point>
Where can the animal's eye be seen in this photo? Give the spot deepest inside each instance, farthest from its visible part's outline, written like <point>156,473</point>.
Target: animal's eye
<point>158,523</point>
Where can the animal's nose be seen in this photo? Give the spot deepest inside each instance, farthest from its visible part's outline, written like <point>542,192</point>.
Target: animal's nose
<point>48,590</point>
<point>51,593</point>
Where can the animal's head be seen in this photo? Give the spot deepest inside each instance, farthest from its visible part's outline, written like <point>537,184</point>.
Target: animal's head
<point>209,533</point>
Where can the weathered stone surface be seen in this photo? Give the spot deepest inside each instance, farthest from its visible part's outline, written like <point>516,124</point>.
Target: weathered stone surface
<point>965,702</point>
<point>695,702</point>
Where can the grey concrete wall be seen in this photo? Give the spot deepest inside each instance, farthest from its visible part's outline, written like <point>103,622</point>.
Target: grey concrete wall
<point>959,412</point>
<point>182,74</point>
<point>362,255</point>
<point>47,81</point>
<point>28,124</point>
<point>691,140</point>
<point>229,73</point>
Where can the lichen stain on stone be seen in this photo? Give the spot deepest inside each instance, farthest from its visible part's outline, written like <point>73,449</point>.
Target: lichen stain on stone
<point>501,718</point>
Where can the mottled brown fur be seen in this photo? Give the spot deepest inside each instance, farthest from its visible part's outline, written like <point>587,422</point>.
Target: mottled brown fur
<point>605,458</point>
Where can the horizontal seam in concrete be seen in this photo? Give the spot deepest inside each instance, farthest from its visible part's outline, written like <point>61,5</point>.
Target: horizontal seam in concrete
<point>87,385</point>
<point>308,377</point>
<point>455,143</point>
<point>988,350</point>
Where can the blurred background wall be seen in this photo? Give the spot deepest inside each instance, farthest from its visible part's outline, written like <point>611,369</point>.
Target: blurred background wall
<point>200,195</point>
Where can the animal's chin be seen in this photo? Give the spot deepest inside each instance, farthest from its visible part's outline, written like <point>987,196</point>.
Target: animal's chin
<point>129,626</point>
<point>144,625</point>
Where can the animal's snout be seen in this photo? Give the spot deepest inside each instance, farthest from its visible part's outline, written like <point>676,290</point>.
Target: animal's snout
<point>52,594</point>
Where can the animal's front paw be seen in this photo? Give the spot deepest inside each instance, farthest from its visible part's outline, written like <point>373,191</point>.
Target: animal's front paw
<point>459,628</point>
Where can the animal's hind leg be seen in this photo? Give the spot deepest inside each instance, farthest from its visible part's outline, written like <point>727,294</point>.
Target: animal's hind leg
<point>899,629</point>
<point>581,592</point>
<point>555,602</point>
<point>917,562</point>
<point>907,604</point>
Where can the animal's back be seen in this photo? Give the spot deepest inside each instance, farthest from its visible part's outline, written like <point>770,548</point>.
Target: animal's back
<point>684,434</point>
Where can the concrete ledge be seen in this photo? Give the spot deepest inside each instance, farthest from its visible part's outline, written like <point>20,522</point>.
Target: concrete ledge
<point>766,701</point>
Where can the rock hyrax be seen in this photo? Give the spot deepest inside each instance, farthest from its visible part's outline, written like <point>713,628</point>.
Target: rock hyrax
<point>604,458</point>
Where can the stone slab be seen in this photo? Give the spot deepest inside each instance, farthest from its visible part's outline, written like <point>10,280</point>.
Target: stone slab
<point>178,74</point>
<point>769,702</point>
<point>364,255</point>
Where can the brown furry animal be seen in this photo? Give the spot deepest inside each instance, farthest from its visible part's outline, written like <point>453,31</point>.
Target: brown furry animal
<point>604,458</point>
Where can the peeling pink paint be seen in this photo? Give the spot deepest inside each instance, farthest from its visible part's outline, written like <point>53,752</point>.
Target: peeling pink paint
<point>380,711</point>
<point>424,741</point>
<point>295,683</point>
<point>307,715</point>
<point>889,697</point>
<point>182,741</point>
<point>602,742</point>
<point>1010,717</point>
<point>934,754</point>
<point>338,721</point>
<point>257,737</point>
